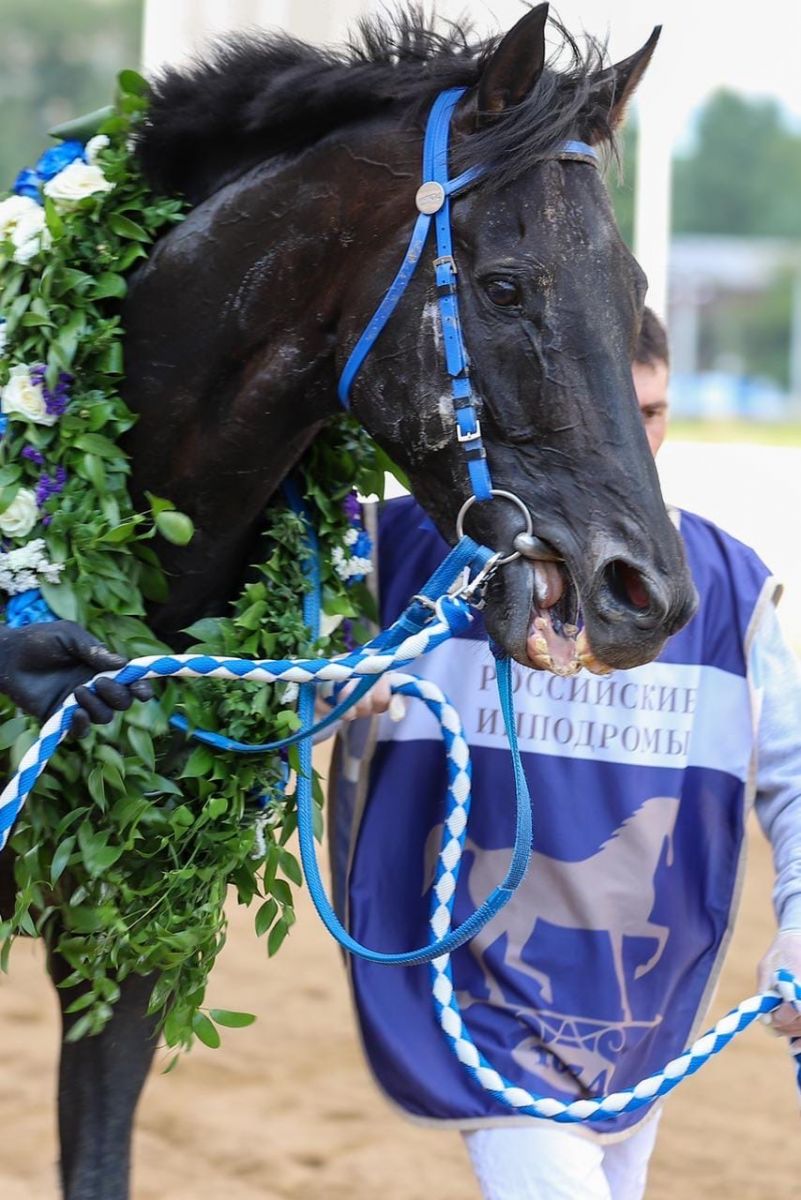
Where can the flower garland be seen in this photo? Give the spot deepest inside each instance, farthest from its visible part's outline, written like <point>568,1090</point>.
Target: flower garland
<point>126,853</point>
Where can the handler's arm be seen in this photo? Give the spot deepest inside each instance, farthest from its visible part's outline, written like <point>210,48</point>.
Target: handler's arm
<point>40,665</point>
<point>776,673</point>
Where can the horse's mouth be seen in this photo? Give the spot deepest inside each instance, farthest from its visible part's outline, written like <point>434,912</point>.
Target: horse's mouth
<point>557,641</point>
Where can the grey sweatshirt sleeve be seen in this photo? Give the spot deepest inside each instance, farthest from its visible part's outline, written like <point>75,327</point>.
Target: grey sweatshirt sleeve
<point>776,675</point>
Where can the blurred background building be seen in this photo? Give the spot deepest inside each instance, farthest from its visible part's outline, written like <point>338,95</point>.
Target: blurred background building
<point>710,194</point>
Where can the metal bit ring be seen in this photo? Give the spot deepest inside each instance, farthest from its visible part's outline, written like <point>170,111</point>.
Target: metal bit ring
<point>505,496</point>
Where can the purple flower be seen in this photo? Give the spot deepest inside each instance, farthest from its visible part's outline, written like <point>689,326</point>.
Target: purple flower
<point>33,455</point>
<point>49,486</point>
<point>57,399</point>
<point>347,635</point>
<point>351,508</point>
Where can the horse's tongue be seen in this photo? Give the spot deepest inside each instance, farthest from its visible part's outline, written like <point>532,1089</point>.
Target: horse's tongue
<point>548,649</point>
<point>548,584</point>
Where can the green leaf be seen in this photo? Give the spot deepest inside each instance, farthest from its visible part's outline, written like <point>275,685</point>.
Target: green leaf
<point>158,504</point>
<point>231,1020</point>
<point>175,527</point>
<point>199,763</point>
<point>10,474</point>
<point>61,598</point>
<point>111,361</point>
<point>182,816</point>
<point>205,1031</point>
<point>131,83</point>
<point>282,892</point>
<point>121,533</point>
<point>217,806</point>
<point>204,630</point>
<point>11,730</point>
<point>109,284</point>
<point>142,745</point>
<point>97,443</point>
<point>60,859</point>
<point>81,1027</point>
<point>52,219</point>
<point>265,917</point>
<point>124,227</point>
<point>14,313</point>
<point>128,256</point>
<point>92,467</point>
<point>291,867</point>
<point>276,937</point>
<point>84,127</point>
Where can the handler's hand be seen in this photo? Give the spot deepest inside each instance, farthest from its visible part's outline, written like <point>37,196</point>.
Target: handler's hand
<point>40,665</point>
<point>378,700</point>
<point>785,952</point>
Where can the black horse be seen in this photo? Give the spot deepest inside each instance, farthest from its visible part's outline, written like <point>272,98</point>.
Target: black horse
<point>302,166</point>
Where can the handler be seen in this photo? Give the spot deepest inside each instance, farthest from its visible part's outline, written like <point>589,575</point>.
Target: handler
<point>603,965</point>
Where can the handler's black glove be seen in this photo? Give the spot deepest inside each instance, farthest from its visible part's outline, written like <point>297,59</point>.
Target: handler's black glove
<point>40,665</point>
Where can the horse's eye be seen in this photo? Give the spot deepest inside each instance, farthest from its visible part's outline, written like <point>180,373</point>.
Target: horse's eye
<point>504,292</point>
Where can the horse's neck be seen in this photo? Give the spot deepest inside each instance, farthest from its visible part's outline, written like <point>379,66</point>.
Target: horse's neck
<point>230,366</point>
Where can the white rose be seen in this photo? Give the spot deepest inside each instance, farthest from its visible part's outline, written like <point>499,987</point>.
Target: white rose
<point>23,398</point>
<point>12,212</point>
<point>20,516</point>
<point>3,337</point>
<point>94,147</point>
<point>30,235</point>
<point>75,183</point>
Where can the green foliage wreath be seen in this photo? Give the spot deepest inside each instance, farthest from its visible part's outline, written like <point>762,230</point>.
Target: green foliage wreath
<point>126,850</point>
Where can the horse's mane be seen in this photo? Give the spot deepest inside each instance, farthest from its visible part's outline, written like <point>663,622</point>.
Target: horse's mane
<point>256,96</point>
<point>632,819</point>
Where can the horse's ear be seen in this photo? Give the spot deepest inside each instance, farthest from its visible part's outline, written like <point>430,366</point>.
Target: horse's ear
<point>615,86</point>
<point>513,70</point>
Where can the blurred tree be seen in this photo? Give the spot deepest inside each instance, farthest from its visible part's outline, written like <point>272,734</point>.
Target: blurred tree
<point>620,180</point>
<point>60,58</point>
<point>743,175</point>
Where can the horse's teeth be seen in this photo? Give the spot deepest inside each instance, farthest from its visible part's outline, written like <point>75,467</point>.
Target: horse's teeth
<point>586,657</point>
<point>572,668</point>
<point>541,657</point>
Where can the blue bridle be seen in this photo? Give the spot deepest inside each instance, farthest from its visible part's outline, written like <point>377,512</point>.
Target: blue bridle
<point>433,203</point>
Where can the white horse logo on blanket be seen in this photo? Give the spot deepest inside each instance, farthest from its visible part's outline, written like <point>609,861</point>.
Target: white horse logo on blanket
<point>610,891</point>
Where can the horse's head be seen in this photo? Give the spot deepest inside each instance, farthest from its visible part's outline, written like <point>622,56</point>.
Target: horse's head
<point>550,301</point>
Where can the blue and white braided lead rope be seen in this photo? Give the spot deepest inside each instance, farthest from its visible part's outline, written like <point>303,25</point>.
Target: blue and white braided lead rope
<point>449,1016</point>
<point>453,615</point>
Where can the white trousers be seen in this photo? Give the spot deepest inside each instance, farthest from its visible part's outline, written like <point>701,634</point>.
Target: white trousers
<point>546,1162</point>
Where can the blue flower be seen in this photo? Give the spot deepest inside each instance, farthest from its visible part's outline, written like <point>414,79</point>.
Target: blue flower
<point>28,608</point>
<point>28,184</point>
<point>57,158</point>
<point>3,424</point>
<point>363,546</point>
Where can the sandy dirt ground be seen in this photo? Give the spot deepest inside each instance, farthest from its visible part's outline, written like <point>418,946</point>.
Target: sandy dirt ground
<point>286,1109</point>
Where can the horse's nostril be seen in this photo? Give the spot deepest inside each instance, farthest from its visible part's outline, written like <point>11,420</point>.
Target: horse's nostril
<point>627,585</point>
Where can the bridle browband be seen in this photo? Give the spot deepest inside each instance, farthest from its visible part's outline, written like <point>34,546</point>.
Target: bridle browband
<point>433,203</point>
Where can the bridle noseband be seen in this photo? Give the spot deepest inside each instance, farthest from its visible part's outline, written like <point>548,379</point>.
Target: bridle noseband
<point>433,204</point>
